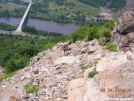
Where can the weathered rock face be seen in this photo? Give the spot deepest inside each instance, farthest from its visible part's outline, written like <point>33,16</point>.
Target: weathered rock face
<point>123,33</point>
<point>115,83</point>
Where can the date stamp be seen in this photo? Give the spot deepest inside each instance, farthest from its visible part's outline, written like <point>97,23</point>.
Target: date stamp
<point>121,90</point>
<point>119,99</point>
<point>116,90</point>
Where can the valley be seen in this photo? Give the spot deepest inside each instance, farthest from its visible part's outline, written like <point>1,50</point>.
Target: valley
<point>67,50</point>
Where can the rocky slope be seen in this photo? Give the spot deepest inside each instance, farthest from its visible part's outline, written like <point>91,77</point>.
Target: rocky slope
<point>52,72</point>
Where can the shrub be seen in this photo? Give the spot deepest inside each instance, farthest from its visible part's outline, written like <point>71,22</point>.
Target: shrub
<point>30,89</point>
<point>11,66</point>
<point>109,25</point>
<point>88,33</point>
<point>79,34</point>
<point>112,47</point>
<point>93,73</point>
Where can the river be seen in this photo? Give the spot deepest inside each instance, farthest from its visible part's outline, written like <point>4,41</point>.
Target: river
<point>45,25</point>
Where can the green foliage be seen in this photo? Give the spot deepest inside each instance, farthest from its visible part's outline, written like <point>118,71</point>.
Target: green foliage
<point>59,10</point>
<point>16,51</point>
<point>30,89</point>
<point>11,66</point>
<point>14,13</point>
<point>114,4</point>
<point>33,30</point>
<point>80,33</point>
<point>92,74</point>
<point>7,27</point>
<point>49,45</point>
<point>102,43</point>
<point>91,32</point>
<point>112,47</point>
<point>117,4</point>
<point>92,23</point>
<point>109,25</point>
<point>7,76</point>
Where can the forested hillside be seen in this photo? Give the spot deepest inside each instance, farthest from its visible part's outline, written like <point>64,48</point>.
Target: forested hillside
<point>113,4</point>
<point>16,51</point>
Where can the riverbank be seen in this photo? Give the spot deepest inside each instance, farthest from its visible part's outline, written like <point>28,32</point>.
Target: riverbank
<point>14,33</point>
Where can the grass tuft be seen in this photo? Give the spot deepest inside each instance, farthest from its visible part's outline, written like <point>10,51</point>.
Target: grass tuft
<point>30,89</point>
<point>112,47</point>
<point>93,73</point>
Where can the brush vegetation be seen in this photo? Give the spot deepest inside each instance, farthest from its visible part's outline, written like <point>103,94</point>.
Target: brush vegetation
<point>16,51</point>
<point>92,31</point>
<point>29,89</point>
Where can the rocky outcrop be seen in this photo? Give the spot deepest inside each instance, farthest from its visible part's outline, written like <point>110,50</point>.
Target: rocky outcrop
<point>123,33</point>
<point>126,23</point>
<point>109,85</point>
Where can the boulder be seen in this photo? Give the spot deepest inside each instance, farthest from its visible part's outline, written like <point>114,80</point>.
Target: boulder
<point>126,23</point>
<point>108,85</point>
<point>123,33</point>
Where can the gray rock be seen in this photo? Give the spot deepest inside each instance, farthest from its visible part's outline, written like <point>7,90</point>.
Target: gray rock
<point>123,34</point>
<point>36,71</point>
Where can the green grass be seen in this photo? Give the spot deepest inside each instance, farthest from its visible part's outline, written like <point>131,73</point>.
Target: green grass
<point>53,6</point>
<point>84,8</point>
<point>102,43</point>
<point>7,76</point>
<point>30,89</point>
<point>10,6</point>
<point>93,73</point>
<point>112,47</point>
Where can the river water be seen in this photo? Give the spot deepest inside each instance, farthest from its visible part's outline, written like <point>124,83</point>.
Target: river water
<point>49,26</point>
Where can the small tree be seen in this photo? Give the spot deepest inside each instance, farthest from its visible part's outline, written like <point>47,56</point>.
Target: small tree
<point>11,66</point>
